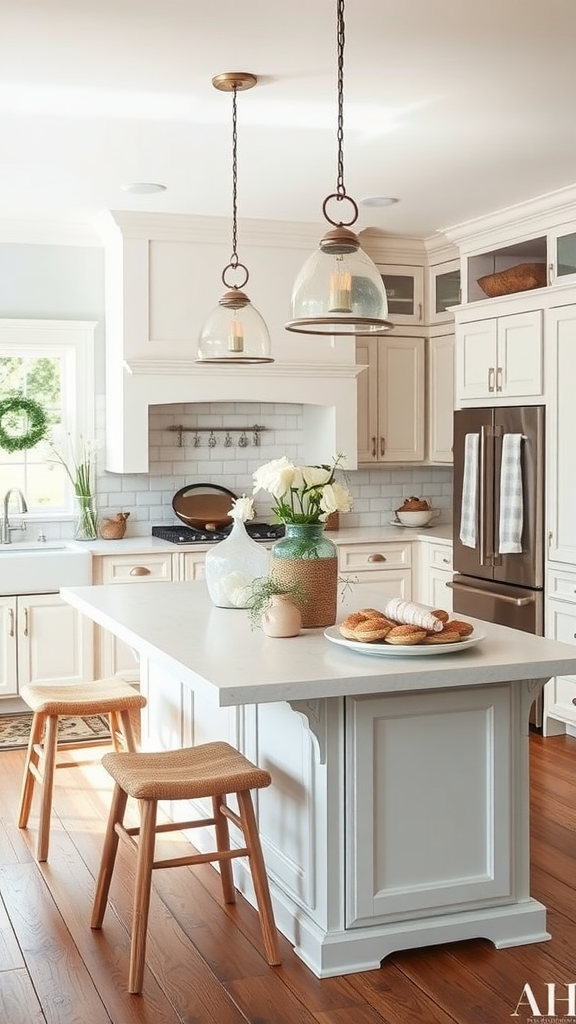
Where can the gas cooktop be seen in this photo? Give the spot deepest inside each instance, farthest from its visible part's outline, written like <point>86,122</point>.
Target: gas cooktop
<point>192,535</point>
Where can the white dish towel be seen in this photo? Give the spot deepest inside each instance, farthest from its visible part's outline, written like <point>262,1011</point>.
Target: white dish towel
<point>469,504</point>
<point>511,497</point>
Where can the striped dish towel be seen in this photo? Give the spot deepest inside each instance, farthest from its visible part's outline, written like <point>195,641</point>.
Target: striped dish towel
<point>511,498</point>
<point>469,505</point>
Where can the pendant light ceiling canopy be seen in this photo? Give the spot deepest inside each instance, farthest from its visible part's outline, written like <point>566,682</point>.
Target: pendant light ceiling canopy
<point>234,332</point>
<point>339,289</point>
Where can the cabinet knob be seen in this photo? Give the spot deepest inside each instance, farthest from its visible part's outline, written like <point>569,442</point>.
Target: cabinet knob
<point>376,558</point>
<point>139,570</point>
<point>446,561</point>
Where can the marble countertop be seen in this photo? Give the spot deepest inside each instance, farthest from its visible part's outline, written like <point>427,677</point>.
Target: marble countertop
<point>215,650</point>
<point>347,535</point>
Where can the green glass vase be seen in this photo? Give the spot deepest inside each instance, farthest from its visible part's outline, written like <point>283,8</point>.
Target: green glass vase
<point>307,558</point>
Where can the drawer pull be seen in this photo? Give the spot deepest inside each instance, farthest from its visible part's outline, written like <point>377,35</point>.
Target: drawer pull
<point>139,570</point>
<point>376,558</point>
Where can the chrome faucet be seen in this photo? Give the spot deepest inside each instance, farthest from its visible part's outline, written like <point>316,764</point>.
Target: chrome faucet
<point>6,537</point>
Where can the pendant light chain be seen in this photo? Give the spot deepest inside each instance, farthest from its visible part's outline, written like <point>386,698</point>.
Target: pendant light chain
<point>234,256</point>
<point>340,187</point>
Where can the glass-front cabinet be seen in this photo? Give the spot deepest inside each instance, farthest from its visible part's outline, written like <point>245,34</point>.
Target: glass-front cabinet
<point>563,255</point>
<point>405,292</point>
<point>443,291</point>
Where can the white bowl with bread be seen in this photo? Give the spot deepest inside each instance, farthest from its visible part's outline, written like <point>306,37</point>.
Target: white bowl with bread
<point>416,512</point>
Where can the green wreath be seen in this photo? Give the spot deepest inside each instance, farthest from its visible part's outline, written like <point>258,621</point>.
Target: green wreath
<point>37,423</point>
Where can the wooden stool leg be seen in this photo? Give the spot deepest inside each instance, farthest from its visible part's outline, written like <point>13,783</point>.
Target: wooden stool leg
<point>30,765</point>
<point>223,843</point>
<point>47,788</point>
<point>259,877</point>
<point>116,815</point>
<point>128,731</point>
<point>142,894</point>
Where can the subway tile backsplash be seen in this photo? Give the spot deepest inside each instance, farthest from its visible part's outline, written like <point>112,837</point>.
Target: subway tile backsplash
<point>228,457</point>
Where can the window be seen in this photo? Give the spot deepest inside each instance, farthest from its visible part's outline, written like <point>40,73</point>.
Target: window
<point>51,361</point>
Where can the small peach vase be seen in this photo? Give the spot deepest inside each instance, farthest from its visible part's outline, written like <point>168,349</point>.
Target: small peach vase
<point>282,618</point>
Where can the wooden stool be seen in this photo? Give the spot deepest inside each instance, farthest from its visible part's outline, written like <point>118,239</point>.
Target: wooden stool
<point>111,697</point>
<point>208,770</point>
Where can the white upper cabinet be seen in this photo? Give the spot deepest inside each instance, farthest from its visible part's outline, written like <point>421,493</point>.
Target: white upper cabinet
<point>500,359</point>
<point>391,399</point>
<point>440,398</point>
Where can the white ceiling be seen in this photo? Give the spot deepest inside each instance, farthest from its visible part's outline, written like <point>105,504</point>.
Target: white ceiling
<point>457,108</point>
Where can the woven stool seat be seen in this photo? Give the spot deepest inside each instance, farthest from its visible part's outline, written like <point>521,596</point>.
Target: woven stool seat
<point>210,770</point>
<point>113,697</point>
<point>97,698</point>
<point>185,774</point>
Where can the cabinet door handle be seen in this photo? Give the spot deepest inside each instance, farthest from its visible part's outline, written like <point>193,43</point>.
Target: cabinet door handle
<point>491,375</point>
<point>499,379</point>
<point>139,570</point>
<point>382,446</point>
<point>550,273</point>
<point>10,622</point>
<point>374,447</point>
<point>419,311</point>
<point>376,558</point>
<point>25,630</point>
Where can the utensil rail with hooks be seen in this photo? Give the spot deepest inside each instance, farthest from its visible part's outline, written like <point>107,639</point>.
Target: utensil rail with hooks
<point>255,430</point>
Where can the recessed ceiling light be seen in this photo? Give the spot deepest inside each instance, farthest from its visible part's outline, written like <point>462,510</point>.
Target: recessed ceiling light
<point>142,188</point>
<point>378,201</point>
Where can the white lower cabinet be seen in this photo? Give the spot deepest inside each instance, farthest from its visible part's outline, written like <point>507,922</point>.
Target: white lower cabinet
<point>559,711</point>
<point>190,565</point>
<point>390,871</point>
<point>388,565</point>
<point>434,575</point>
<point>112,654</point>
<point>43,640</point>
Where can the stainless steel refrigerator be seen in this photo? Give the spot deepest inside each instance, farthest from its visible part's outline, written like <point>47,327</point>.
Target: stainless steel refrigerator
<point>499,515</point>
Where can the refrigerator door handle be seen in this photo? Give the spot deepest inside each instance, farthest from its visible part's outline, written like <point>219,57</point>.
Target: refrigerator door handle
<point>519,602</point>
<point>486,523</point>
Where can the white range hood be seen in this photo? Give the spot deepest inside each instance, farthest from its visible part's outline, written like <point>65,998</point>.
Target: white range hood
<point>162,278</point>
<point>328,396</point>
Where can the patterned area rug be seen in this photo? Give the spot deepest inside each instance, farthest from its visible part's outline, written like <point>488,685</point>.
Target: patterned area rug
<point>15,729</point>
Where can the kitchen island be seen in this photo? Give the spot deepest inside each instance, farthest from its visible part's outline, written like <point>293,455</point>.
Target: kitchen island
<point>399,810</point>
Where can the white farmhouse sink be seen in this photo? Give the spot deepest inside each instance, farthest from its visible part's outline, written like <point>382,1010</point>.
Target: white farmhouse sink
<point>43,568</point>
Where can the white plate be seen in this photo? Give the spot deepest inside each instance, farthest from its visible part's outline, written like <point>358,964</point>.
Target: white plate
<point>383,650</point>
<point>396,522</point>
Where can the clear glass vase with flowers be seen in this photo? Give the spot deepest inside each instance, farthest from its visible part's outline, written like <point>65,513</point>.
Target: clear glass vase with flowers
<point>304,497</point>
<point>232,565</point>
<point>79,464</point>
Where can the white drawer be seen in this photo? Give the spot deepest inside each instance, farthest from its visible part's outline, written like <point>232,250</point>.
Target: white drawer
<point>440,556</point>
<point>373,557</point>
<point>135,569</point>
<point>562,585</point>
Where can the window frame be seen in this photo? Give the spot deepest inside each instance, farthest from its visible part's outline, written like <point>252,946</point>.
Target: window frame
<point>73,341</point>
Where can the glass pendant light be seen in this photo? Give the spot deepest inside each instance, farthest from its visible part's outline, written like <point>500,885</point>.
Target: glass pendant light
<point>339,289</point>
<point>234,332</point>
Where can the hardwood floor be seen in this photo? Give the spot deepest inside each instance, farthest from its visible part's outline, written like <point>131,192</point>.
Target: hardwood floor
<point>204,960</point>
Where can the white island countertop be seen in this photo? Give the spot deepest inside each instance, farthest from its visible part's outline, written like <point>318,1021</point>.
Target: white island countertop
<point>215,650</point>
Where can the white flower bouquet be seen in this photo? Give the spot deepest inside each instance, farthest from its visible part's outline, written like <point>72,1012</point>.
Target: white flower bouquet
<point>303,494</point>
